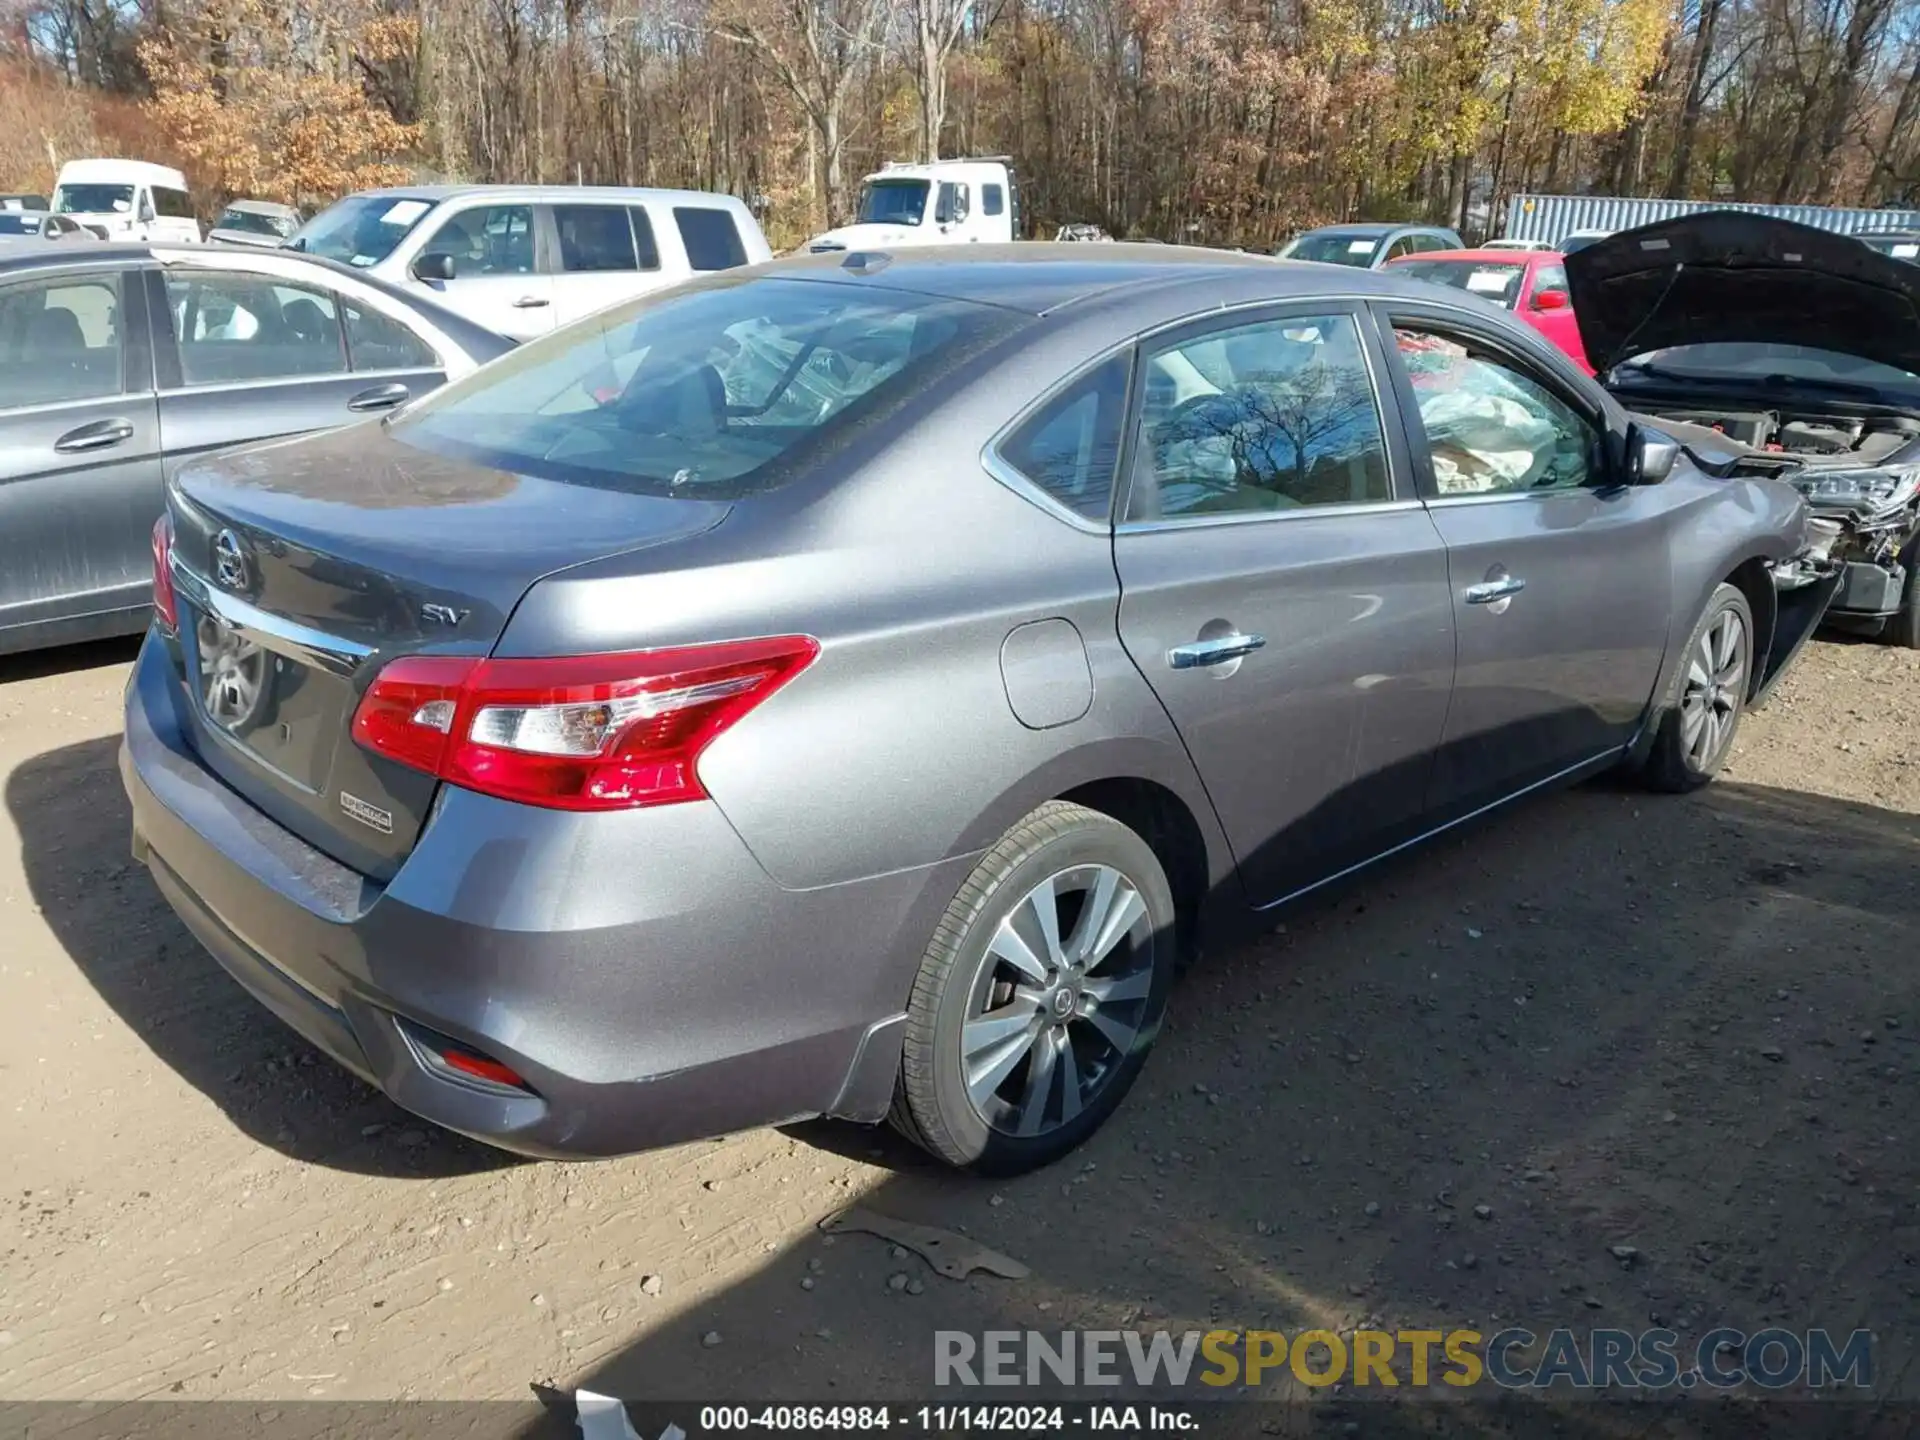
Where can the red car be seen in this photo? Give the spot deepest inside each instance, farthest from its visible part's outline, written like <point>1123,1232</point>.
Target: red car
<point>1532,283</point>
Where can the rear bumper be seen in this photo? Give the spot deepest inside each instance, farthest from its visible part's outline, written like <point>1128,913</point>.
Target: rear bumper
<point>640,970</point>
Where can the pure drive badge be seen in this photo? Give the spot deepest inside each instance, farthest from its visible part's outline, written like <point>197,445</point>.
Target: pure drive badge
<point>366,814</point>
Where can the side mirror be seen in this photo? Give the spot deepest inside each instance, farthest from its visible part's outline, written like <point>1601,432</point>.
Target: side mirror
<point>1550,300</point>
<point>1651,456</point>
<point>435,265</point>
<point>146,210</point>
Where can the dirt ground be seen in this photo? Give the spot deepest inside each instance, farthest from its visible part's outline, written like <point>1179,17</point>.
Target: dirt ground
<point>1687,1026</point>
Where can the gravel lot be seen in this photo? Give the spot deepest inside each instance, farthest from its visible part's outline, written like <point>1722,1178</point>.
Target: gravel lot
<point>1687,1026</point>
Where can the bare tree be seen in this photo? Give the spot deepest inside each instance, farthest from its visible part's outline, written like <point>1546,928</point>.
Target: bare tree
<point>937,25</point>
<point>815,48</point>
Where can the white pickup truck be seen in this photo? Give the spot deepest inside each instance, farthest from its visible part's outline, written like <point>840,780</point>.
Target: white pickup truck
<point>943,202</point>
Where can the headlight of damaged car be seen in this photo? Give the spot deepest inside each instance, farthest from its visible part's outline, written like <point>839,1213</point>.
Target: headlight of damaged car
<point>1869,490</point>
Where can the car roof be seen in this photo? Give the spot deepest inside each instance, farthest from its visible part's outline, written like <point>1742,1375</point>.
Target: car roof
<point>1039,277</point>
<point>261,207</point>
<point>439,193</point>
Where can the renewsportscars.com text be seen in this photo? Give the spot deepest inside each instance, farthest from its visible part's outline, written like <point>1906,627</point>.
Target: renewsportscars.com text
<point>1514,1358</point>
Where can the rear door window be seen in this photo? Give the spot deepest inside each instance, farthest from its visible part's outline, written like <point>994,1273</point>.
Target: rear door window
<point>60,341</point>
<point>172,204</point>
<point>236,328</point>
<point>379,342</point>
<point>595,237</point>
<point>707,392</point>
<point>712,241</point>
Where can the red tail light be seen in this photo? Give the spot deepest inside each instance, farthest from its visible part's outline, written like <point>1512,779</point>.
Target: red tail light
<point>587,732</point>
<point>163,603</point>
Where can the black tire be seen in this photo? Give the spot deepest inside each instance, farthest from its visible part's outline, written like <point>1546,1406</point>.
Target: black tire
<point>1062,845</point>
<point>1903,626</point>
<point>1678,761</point>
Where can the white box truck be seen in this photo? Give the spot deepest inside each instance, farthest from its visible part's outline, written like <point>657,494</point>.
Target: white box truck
<point>943,202</point>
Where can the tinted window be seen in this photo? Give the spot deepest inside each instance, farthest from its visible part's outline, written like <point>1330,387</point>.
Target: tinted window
<point>1071,447</point>
<point>993,199</point>
<point>1492,428</point>
<point>1265,417</point>
<point>379,342</point>
<point>712,242</point>
<point>59,341</point>
<point>14,222</point>
<point>701,392</point>
<point>173,204</point>
<point>233,328</point>
<point>1496,280</point>
<point>643,241</point>
<point>1405,245</point>
<point>363,229</point>
<point>489,240</point>
<point>594,237</point>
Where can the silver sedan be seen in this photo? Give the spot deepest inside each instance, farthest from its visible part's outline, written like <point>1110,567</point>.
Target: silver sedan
<point>849,686</point>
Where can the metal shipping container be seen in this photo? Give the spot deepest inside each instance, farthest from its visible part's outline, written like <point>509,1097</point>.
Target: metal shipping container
<point>1553,217</point>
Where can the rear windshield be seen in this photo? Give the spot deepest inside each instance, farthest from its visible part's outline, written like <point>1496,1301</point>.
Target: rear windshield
<point>1490,280</point>
<point>252,222</point>
<point>1334,248</point>
<point>361,230</point>
<point>712,392</point>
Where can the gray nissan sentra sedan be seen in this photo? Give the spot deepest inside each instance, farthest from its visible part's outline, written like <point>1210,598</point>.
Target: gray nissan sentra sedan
<point>849,686</point>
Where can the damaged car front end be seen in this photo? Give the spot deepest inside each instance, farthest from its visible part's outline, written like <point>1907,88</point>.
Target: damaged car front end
<point>1770,348</point>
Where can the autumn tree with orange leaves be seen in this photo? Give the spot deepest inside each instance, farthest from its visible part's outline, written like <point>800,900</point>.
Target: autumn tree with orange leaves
<point>265,97</point>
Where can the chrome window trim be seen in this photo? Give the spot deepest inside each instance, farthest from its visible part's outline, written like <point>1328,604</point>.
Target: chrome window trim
<point>1447,502</point>
<point>1006,473</point>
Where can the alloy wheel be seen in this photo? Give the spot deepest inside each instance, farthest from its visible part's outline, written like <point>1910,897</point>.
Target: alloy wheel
<point>1059,1000</point>
<point>1716,683</point>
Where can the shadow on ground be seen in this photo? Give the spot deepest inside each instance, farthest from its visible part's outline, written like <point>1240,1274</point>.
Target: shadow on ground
<point>75,825</point>
<point>67,659</point>
<point>1612,1020</point>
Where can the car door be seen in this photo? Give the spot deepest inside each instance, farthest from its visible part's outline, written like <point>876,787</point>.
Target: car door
<point>1561,578</point>
<point>603,253</point>
<point>247,355</point>
<point>1547,305</point>
<point>501,278</point>
<point>1282,588</point>
<point>80,478</point>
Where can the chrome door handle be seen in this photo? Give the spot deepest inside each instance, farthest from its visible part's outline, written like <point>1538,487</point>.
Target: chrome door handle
<point>530,302</point>
<point>98,436</point>
<point>1491,590</point>
<point>380,397</point>
<point>1213,652</point>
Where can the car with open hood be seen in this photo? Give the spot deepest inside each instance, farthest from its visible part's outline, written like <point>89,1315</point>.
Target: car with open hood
<point>1773,348</point>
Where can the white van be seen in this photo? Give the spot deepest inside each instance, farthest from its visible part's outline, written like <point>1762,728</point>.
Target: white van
<point>947,202</point>
<point>523,259</point>
<point>127,200</point>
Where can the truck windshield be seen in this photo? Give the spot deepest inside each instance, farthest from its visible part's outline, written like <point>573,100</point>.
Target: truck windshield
<point>893,202</point>
<point>93,199</point>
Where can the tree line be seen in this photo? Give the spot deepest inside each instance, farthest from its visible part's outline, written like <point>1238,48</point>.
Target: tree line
<point>1217,121</point>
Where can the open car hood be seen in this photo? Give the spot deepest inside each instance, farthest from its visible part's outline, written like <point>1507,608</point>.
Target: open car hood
<point>1727,276</point>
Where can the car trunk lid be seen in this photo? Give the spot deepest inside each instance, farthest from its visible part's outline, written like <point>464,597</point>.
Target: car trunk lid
<point>301,568</point>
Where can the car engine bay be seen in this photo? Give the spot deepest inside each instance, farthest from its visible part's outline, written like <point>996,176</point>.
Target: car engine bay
<point>1860,474</point>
